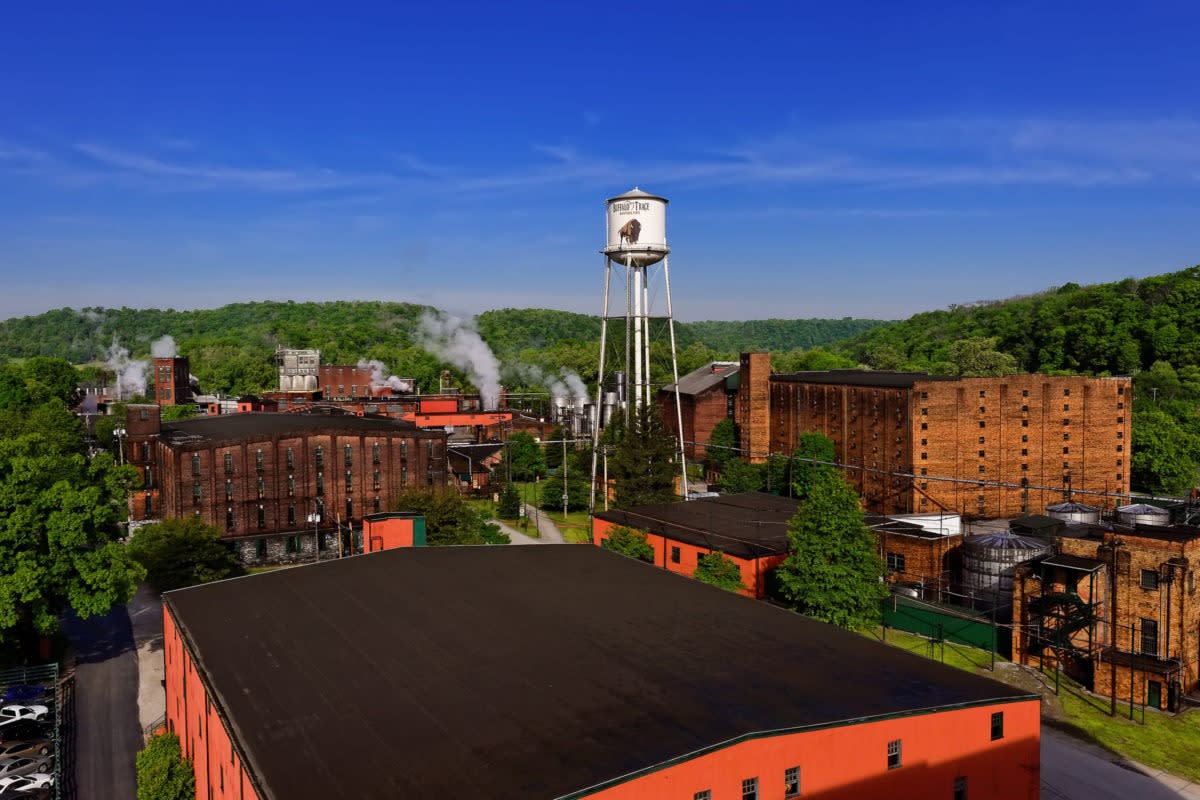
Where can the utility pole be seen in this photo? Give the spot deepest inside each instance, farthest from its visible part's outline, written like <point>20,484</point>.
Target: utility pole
<point>564,471</point>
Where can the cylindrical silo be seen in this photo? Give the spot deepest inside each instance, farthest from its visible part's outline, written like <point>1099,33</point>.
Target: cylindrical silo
<point>1143,514</point>
<point>1074,512</point>
<point>988,563</point>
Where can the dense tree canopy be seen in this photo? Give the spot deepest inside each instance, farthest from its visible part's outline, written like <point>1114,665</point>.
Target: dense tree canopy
<point>59,510</point>
<point>162,771</point>
<point>183,552</point>
<point>832,571</point>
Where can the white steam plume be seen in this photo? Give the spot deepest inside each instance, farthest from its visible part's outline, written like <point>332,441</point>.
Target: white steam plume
<point>456,341</point>
<point>381,378</point>
<point>130,373</point>
<point>564,384</point>
<point>164,347</point>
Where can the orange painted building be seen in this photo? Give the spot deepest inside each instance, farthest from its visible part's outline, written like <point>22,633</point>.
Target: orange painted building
<point>676,689</point>
<point>393,529</point>
<point>748,529</point>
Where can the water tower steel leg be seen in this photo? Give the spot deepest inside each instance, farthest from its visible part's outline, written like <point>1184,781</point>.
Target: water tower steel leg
<point>683,487</point>
<point>598,411</point>
<point>638,312</point>
<point>629,335</point>
<point>646,334</point>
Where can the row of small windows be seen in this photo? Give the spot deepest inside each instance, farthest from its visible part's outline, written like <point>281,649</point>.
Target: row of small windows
<point>261,512</point>
<point>318,457</point>
<point>895,760</point>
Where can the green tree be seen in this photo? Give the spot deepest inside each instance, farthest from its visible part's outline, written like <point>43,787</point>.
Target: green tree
<point>524,456</point>
<point>449,519</point>
<point>832,572</point>
<point>59,516</point>
<point>722,443</point>
<point>739,477</point>
<point>977,356</point>
<point>509,506</point>
<point>162,771</point>
<point>183,552</point>
<point>629,542</point>
<point>810,449</point>
<point>714,568</point>
<point>1166,453</point>
<point>178,412</point>
<point>552,454</point>
<point>643,463</point>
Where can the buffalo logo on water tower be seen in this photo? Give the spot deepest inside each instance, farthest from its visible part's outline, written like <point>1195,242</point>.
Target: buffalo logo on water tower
<point>630,231</point>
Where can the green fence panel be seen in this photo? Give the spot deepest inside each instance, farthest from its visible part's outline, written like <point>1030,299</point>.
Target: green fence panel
<point>939,622</point>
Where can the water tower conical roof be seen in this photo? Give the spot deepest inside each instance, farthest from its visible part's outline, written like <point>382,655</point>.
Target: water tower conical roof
<point>636,193</point>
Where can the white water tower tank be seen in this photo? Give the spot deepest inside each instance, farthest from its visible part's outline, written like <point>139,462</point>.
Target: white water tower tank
<point>637,228</point>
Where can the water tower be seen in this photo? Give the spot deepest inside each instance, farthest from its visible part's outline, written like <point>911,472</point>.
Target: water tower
<point>636,227</point>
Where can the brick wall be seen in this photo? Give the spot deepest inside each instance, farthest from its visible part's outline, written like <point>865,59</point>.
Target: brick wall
<point>869,429</point>
<point>753,404</point>
<point>1065,433</point>
<point>926,560</point>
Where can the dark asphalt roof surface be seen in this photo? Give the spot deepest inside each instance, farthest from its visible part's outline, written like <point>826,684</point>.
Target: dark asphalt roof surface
<point>861,377</point>
<point>241,426</point>
<point>745,525</point>
<point>520,672</point>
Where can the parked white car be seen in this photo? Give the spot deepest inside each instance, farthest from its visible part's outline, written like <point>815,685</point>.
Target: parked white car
<point>14,712</point>
<point>26,783</point>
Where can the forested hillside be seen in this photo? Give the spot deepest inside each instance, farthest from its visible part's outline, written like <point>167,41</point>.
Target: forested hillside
<point>1115,328</point>
<point>230,347</point>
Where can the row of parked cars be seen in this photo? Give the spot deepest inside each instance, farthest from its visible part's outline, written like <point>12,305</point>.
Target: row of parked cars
<point>27,743</point>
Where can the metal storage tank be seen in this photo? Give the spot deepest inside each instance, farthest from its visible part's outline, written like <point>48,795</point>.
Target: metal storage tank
<point>1074,512</point>
<point>637,228</point>
<point>1143,514</point>
<point>988,563</point>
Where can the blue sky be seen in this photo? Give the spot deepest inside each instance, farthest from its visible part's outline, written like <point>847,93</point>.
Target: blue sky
<point>842,159</point>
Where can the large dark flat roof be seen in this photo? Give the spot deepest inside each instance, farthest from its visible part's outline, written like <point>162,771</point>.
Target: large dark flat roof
<point>861,377</point>
<point>513,672</point>
<point>745,525</point>
<point>250,424</point>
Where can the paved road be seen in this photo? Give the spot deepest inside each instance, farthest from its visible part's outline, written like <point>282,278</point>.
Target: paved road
<point>1074,770</point>
<point>105,735</point>
<point>547,530</point>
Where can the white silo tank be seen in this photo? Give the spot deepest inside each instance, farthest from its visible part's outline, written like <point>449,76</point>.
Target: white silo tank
<point>637,228</point>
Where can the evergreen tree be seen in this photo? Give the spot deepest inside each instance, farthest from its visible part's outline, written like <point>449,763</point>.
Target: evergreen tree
<point>509,506</point>
<point>740,477</point>
<point>722,441</point>
<point>629,542</point>
<point>832,572</point>
<point>643,463</point>
<point>552,453</point>
<point>812,447</point>
<point>717,570</point>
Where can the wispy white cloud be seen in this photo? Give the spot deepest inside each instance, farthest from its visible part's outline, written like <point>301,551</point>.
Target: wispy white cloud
<point>183,175</point>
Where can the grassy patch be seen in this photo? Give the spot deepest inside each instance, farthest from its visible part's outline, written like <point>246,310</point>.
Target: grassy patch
<point>1164,742</point>
<point>971,659</point>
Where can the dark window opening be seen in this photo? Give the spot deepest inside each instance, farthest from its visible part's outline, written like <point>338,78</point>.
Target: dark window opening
<point>894,758</point>
<point>675,558</point>
<point>997,725</point>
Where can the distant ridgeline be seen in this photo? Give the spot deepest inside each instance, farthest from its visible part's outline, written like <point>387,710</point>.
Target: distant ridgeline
<point>230,348</point>
<point>1115,328</point>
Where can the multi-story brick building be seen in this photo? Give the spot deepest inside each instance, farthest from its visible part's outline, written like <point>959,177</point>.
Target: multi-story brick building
<point>279,484</point>
<point>988,447</point>
<point>172,381</point>
<point>706,396</point>
<point>1135,627</point>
